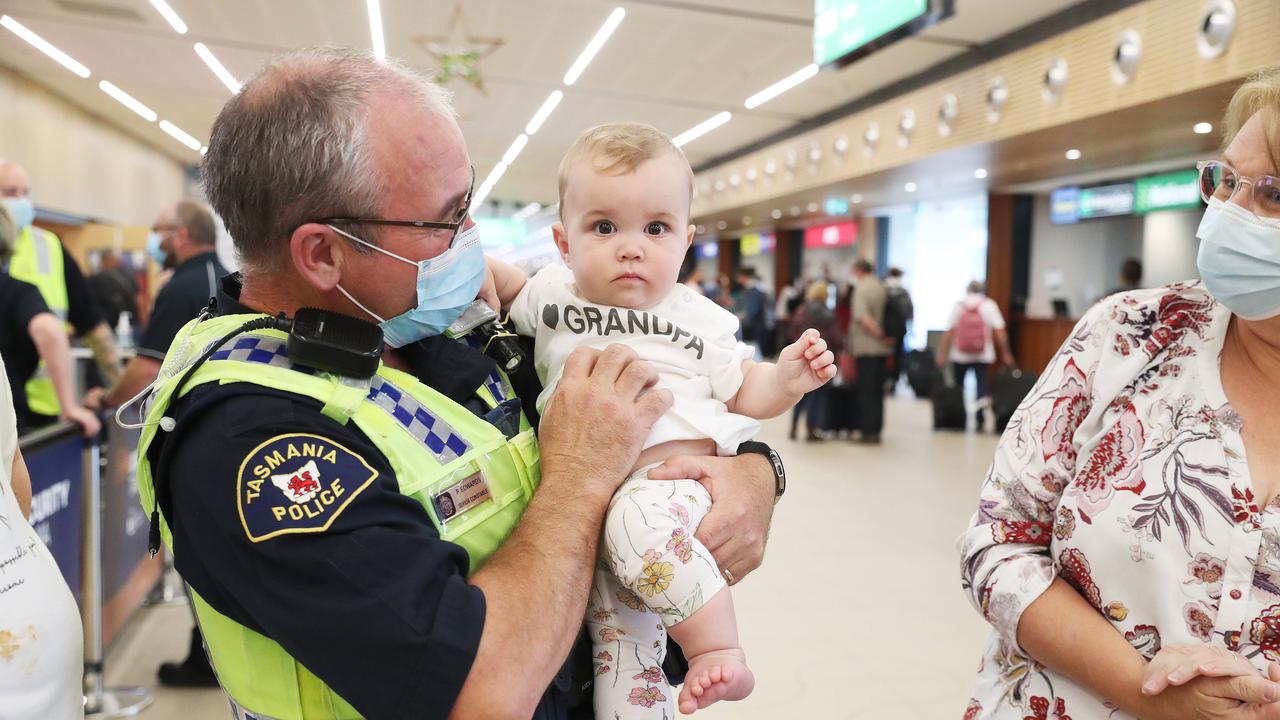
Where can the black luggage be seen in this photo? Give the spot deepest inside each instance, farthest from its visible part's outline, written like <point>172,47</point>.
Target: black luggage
<point>921,372</point>
<point>1007,393</point>
<point>949,412</point>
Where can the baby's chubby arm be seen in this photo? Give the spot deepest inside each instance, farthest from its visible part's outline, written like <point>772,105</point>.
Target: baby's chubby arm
<point>502,283</point>
<point>769,389</point>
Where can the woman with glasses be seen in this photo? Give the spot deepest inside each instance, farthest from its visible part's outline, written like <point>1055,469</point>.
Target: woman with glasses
<point>1126,547</point>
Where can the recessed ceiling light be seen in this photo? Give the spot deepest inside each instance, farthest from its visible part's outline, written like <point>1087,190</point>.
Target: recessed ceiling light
<point>856,198</point>
<point>1074,154</point>
<point>1202,128</point>
<point>700,230</point>
<point>781,86</point>
<point>204,150</point>
<point>813,207</point>
<point>980,173</point>
<point>795,210</point>
<point>543,112</point>
<point>776,214</point>
<point>746,219</point>
<point>909,187</point>
<point>722,224</point>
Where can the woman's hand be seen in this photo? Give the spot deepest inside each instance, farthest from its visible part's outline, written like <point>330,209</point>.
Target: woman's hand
<point>1202,681</point>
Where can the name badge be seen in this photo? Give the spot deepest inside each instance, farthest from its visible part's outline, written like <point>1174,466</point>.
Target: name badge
<point>460,497</point>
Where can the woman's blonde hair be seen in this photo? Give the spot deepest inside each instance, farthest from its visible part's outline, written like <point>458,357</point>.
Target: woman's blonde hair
<point>1259,94</point>
<point>816,291</point>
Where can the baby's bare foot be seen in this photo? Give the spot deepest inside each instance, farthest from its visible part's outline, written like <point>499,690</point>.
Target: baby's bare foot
<point>715,676</point>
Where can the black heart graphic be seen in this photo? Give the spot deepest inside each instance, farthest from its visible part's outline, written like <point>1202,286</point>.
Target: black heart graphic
<point>551,315</point>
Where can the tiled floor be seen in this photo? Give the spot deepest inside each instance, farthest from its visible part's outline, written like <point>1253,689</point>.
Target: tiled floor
<point>857,613</point>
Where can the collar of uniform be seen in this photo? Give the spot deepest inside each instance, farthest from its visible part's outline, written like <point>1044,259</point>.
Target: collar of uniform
<point>194,261</point>
<point>449,367</point>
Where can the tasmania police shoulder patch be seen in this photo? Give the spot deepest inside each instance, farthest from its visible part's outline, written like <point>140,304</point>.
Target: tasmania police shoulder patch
<point>298,483</point>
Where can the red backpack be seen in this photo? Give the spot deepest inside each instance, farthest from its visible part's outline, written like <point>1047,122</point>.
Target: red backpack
<point>971,331</point>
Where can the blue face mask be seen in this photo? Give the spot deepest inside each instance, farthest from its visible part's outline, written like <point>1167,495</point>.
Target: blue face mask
<point>22,210</point>
<point>447,284</point>
<point>1239,260</point>
<point>154,250</point>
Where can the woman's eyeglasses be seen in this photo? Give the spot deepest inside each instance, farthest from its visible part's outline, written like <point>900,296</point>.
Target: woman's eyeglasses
<point>1220,180</point>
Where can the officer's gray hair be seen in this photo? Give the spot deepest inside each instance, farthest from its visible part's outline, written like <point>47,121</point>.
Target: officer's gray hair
<point>291,146</point>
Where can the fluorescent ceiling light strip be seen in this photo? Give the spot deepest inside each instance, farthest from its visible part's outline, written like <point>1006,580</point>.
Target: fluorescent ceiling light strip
<point>701,129</point>
<point>781,86</point>
<point>543,112</point>
<point>44,46</point>
<point>593,47</point>
<point>128,101</point>
<point>375,30</point>
<point>178,134</point>
<point>513,152</point>
<point>494,176</point>
<point>170,16</point>
<point>218,68</point>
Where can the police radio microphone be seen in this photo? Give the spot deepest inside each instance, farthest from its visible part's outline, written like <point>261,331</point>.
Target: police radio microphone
<point>481,321</point>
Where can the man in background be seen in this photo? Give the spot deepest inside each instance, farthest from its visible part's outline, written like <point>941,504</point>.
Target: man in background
<point>185,234</point>
<point>898,314</point>
<point>39,258</point>
<point>115,290</point>
<point>870,349</point>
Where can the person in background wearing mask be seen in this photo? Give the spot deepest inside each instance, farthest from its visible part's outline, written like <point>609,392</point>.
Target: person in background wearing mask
<point>1133,496</point>
<point>182,239</point>
<point>40,259</point>
<point>304,509</point>
<point>31,334</point>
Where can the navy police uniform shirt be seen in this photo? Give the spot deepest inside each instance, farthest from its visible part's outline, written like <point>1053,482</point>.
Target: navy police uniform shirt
<point>293,525</point>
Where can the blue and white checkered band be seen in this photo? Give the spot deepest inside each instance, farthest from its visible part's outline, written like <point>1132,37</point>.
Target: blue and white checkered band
<point>261,350</point>
<point>498,386</point>
<point>436,434</point>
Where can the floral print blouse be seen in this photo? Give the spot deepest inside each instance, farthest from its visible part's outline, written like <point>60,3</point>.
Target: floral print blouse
<point>1124,473</point>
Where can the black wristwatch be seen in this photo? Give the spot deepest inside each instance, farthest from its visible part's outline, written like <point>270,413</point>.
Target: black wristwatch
<point>779,472</point>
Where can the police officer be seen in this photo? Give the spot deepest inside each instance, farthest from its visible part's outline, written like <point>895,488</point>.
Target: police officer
<point>40,259</point>
<point>304,508</point>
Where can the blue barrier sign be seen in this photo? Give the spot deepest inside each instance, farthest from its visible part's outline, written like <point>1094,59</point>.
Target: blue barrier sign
<point>57,482</point>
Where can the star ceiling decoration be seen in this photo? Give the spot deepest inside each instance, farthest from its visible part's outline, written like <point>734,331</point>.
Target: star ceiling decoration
<point>458,52</point>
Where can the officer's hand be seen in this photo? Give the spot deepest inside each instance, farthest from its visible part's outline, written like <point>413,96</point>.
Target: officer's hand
<point>86,419</point>
<point>595,423</point>
<point>743,491</point>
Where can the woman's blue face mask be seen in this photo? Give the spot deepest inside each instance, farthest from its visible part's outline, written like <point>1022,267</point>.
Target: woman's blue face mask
<point>446,285</point>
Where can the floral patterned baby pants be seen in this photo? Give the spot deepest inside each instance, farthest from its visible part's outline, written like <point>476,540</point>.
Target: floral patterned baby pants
<point>651,574</point>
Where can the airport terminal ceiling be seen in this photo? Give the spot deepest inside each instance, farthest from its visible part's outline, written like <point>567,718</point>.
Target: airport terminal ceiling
<point>672,63</point>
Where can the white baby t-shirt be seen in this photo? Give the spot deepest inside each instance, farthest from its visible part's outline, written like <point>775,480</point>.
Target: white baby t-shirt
<point>688,339</point>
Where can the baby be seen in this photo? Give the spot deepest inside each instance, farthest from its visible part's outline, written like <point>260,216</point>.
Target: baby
<point>625,192</point>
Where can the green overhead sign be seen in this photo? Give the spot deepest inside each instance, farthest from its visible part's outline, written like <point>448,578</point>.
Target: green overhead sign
<point>1170,191</point>
<point>841,27</point>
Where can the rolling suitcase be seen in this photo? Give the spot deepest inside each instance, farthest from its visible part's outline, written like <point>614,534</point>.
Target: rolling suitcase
<point>1008,391</point>
<point>949,412</point>
<point>921,372</point>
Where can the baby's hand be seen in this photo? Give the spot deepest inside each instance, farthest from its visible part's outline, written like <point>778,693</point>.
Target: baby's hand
<point>806,364</point>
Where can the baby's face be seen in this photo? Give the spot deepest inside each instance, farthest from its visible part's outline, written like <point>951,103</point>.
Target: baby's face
<point>625,236</point>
